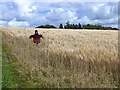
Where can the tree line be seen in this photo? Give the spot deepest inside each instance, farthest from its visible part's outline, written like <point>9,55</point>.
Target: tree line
<point>68,25</point>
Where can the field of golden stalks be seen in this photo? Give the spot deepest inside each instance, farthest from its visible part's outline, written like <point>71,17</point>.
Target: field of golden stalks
<point>64,58</point>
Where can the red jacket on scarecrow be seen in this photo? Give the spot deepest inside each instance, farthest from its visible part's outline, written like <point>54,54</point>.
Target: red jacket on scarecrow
<point>36,37</point>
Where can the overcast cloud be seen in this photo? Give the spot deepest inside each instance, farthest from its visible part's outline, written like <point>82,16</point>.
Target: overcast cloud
<point>32,14</point>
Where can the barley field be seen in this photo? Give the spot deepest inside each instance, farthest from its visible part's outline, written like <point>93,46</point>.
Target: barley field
<point>64,58</point>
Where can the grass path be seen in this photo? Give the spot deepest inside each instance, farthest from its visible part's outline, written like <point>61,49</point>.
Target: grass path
<point>7,70</point>
<point>10,75</point>
<point>0,65</point>
<point>0,59</point>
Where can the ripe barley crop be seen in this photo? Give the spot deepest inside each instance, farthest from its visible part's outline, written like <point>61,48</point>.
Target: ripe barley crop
<point>66,58</point>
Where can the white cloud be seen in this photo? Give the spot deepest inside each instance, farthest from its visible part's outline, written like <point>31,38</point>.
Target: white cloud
<point>25,7</point>
<point>96,7</point>
<point>85,20</point>
<point>8,11</point>
<point>65,0</point>
<point>103,11</point>
<point>3,23</point>
<point>61,15</point>
<point>37,13</point>
<point>18,23</point>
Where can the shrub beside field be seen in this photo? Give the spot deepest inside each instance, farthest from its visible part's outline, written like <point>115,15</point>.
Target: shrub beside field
<point>66,58</point>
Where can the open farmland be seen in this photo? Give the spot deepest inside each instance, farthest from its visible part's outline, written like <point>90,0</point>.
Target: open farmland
<point>64,59</point>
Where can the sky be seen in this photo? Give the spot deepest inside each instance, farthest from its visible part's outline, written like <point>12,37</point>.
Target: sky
<point>27,13</point>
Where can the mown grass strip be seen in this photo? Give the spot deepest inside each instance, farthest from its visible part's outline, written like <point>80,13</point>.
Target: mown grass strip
<point>11,78</point>
<point>0,65</point>
<point>8,75</point>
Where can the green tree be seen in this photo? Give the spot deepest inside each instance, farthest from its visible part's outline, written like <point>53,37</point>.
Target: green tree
<point>46,26</point>
<point>68,25</point>
<point>79,26</point>
<point>76,26</point>
<point>73,26</point>
<point>61,26</point>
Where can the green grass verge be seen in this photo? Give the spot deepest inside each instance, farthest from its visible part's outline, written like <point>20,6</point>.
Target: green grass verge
<point>8,75</point>
<point>0,65</point>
